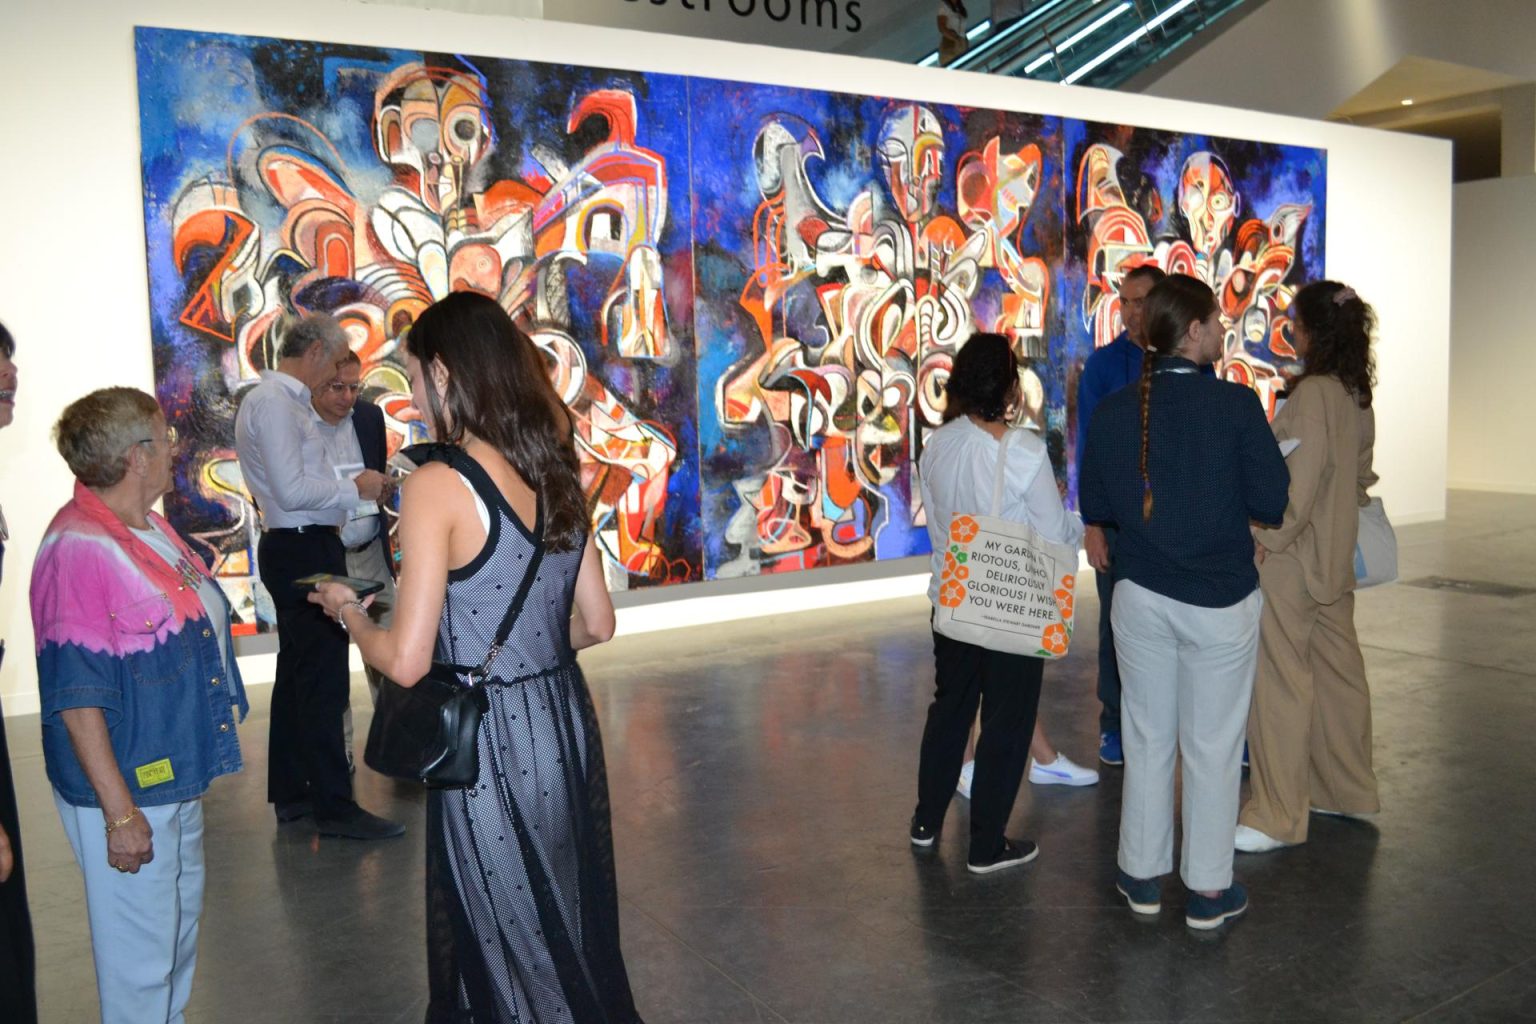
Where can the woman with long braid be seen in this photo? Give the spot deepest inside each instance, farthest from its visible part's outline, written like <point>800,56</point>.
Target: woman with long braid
<point>1180,465</point>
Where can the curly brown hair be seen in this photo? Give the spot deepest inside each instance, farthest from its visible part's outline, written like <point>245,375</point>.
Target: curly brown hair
<point>1339,325</point>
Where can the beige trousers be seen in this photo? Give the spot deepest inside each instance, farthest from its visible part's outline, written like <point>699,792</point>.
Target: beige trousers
<point>1309,729</point>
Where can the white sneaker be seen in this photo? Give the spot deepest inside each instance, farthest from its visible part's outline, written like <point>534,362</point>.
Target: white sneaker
<point>967,772</point>
<point>1062,772</point>
<point>1251,840</point>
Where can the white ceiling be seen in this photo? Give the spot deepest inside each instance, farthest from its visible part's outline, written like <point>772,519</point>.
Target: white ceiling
<point>1424,81</point>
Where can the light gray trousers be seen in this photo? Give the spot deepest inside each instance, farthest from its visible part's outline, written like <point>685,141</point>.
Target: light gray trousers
<point>1186,679</point>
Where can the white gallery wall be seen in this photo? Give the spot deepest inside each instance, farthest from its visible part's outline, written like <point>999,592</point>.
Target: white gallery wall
<point>72,269</point>
<point>1493,341</point>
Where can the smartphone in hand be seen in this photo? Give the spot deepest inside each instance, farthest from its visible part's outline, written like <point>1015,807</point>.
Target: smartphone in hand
<point>362,587</point>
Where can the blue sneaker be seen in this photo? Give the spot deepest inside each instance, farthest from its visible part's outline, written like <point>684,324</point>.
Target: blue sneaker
<point>1207,912</point>
<point>1109,748</point>
<point>1143,894</point>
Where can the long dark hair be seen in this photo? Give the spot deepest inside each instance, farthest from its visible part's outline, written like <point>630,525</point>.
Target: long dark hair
<point>982,379</point>
<point>1174,303</point>
<point>499,391</point>
<point>1339,326</point>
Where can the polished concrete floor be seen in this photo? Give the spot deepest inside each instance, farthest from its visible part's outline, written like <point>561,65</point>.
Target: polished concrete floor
<point>762,777</point>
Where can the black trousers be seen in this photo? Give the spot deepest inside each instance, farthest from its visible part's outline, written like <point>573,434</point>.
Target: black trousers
<point>18,960</point>
<point>1109,667</point>
<point>307,754</point>
<point>1007,689</point>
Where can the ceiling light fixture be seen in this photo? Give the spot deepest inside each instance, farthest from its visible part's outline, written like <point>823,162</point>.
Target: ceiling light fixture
<point>1408,102</point>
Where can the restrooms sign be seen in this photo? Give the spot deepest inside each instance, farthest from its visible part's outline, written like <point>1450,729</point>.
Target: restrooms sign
<point>802,24</point>
<point>827,15</point>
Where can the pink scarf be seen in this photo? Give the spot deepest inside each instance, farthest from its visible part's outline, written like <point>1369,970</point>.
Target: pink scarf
<point>183,597</point>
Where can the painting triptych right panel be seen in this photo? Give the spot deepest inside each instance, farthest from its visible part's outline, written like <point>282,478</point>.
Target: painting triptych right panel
<point>1245,217</point>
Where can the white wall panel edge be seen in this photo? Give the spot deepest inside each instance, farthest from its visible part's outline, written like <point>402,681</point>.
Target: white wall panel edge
<point>1389,195</point>
<point>1491,486</point>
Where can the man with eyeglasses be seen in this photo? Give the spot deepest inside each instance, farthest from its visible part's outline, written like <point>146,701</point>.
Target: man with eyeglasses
<point>304,506</point>
<point>354,434</point>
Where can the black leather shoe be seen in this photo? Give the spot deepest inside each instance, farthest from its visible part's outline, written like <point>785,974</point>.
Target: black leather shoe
<point>359,824</point>
<point>293,811</point>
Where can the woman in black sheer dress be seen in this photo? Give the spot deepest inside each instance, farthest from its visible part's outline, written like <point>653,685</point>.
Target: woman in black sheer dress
<point>18,996</point>
<point>522,906</point>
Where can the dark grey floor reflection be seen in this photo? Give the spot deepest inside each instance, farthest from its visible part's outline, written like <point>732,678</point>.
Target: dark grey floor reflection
<point>762,776</point>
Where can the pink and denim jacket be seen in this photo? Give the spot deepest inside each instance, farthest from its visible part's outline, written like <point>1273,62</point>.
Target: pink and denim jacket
<point>118,629</point>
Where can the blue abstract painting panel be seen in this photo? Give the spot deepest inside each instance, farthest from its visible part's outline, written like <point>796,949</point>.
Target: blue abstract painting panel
<point>846,247</point>
<point>367,183</point>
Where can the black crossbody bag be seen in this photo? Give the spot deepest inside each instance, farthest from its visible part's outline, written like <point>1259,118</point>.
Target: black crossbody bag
<point>429,732</point>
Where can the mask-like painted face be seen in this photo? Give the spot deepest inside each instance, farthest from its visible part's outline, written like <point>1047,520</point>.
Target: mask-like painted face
<point>911,152</point>
<point>1208,201</point>
<point>430,125</point>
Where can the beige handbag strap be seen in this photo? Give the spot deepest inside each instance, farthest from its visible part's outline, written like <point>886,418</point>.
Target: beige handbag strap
<point>1002,472</point>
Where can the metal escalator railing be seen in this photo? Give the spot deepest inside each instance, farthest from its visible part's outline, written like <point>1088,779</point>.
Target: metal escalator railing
<point>1087,42</point>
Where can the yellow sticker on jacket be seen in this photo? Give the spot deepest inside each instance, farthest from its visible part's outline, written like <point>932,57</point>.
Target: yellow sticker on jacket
<point>154,773</point>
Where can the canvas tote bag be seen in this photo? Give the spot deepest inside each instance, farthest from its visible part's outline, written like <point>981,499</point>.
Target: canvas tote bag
<point>1004,586</point>
<point>1376,547</point>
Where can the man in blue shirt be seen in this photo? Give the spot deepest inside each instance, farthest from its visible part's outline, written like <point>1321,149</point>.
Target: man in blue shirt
<point>1106,371</point>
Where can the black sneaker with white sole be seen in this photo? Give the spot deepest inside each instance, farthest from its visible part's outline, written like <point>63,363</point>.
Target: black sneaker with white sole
<point>1011,855</point>
<point>922,836</point>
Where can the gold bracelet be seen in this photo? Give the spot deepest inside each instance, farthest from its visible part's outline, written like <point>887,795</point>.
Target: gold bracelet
<point>113,826</point>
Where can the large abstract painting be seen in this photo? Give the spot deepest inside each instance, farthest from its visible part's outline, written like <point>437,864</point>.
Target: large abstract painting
<point>749,296</point>
<point>368,183</point>
<point>1244,217</point>
<point>847,247</point>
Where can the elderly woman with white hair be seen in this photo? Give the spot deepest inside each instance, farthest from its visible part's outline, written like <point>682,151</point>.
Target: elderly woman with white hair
<point>140,695</point>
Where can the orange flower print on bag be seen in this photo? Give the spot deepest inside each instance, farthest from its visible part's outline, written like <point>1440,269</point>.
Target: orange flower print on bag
<point>1054,639</point>
<point>1068,581</point>
<point>1064,602</point>
<point>963,530</point>
<point>951,594</point>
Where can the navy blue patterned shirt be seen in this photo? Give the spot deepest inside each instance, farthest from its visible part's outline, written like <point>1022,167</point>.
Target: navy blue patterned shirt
<point>1214,466</point>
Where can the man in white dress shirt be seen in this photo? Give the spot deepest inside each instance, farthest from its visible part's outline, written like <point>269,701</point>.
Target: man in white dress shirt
<point>356,438</point>
<point>303,505</point>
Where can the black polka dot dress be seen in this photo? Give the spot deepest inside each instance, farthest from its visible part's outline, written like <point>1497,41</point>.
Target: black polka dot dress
<point>522,904</point>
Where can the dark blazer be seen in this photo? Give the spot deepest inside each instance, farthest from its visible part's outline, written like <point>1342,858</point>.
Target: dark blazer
<point>1214,467</point>
<point>368,422</point>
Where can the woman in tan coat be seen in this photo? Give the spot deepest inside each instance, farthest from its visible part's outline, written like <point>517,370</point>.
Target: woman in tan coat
<point>1309,729</point>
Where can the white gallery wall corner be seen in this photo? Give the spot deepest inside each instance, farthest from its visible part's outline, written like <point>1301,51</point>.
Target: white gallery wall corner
<point>72,274</point>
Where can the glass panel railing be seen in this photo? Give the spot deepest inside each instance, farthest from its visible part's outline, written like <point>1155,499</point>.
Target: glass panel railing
<point>1089,42</point>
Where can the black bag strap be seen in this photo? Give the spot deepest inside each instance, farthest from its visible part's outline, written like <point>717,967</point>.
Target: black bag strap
<point>514,609</point>
<point>457,459</point>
